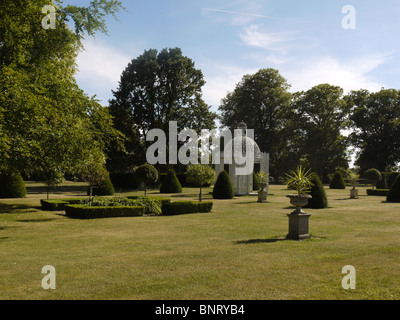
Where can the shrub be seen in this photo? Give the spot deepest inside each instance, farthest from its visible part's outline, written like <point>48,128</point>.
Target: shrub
<point>317,191</point>
<point>394,193</point>
<point>373,175</point>
<point>86,212</point>
<point>171,183</point>
<point>223,187</point>
<point>337,182</point>
<point>378,192</point>
<point>12,186</point>
<point>186,207</point>
<point>106,188</point>
<point>162,200</point>
<point>200,175</point>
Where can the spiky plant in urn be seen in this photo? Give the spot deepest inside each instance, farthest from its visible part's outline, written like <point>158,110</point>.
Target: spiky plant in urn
<point>299,180</point>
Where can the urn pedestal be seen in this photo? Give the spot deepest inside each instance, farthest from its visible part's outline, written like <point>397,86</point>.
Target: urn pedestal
<point>262,194</point>
<point>298,219</point>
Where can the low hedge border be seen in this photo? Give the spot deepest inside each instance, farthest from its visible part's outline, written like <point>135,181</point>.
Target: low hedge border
<point>58,204</point>
<point>86,212</point>
<point>378,192</point>
<point>186,207</point>
<point>162,200</point>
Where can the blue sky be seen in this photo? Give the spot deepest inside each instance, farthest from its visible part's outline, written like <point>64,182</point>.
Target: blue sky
<point>304,40</point>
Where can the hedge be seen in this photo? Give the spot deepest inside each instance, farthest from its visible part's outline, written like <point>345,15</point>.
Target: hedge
<point>186,207</point>
<point>162,200</point>
<point>378,192</point>
<point>86,212</point>
<point>58,204</point>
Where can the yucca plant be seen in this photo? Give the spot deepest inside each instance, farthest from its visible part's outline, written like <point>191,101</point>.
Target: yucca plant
<point>299,180</point>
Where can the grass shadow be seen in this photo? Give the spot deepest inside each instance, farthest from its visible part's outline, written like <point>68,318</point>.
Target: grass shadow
<point>14,208</point>
<point>35,220</point>
<point>255,241</point>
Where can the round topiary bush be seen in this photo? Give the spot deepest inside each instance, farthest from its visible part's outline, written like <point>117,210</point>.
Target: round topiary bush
<point>373,175</point>
<point>394,193</point>
<point>12,186</point>
<point>337,182</point>
<point>223,187</point>
<point>171,183</point>
<point>105,189</point>
<point>317,191</point>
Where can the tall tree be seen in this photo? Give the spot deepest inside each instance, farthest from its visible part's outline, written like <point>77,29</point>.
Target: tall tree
<point>260,100</point>
<point>46,121</point>
<point>155,88</point>
<point>375,118</point>
<point>318,118</point>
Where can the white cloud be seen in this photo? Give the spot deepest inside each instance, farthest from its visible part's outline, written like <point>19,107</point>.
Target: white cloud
<point>350,75</point>
<point>253,36</point>
<point>100,68</point>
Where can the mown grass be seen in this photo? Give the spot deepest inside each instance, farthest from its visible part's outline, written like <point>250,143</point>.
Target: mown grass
<point>235,252</point>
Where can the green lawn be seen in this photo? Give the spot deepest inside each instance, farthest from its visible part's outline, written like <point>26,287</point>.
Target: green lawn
<point>234,252</point>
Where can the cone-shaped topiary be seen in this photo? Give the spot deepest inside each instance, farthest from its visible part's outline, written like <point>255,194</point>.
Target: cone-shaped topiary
<point>223,187</point>
<point>171,183</point>
<point>105,189</point>
<point>317,191</point>
<point>12,186</point>
<point>394,193</point>
<point>337,182</point>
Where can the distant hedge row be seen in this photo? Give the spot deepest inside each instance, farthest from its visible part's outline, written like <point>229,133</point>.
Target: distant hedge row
<point>378,192</point>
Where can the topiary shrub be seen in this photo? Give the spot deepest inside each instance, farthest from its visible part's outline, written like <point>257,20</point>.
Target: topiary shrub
<point>382,184</point>
<point>12,186</point>
<point>394,193</point>
<point>223,187</point>
<point>391,178</point>
<point>317,191</point>
<point>105,189</point>
<point>337,182</point>
<point>171,183</point>
<point>373,175</point>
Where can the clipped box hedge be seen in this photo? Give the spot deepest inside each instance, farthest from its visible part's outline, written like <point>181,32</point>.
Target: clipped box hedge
<point>162,200</point>
<point>58,204</point>
<point>186,207</point>
<point>378,192</point>
<point>86,212</point>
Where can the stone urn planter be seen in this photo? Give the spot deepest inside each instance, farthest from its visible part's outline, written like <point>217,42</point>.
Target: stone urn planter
<point>298,219</point>
<point>262,194</point>
<point>354,193</point>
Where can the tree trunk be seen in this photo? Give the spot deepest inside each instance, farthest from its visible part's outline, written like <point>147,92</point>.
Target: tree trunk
<point>201,199</point>
<point>48,192</point>
<point>90,195</point>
